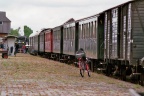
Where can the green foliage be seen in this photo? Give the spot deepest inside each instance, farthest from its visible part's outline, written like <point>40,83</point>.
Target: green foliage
<point>27,31</point>
<point>15,32</point>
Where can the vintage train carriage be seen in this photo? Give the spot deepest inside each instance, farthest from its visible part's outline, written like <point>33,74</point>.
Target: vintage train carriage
<point>90,38</point>
<point>33,41</point>
<point>41,46</point>
<point>69,38</point>
<point>58,41</point>
<point>90,33</point>
<point>48,42</point>
<point>112,34</point>
<point>124,32</point>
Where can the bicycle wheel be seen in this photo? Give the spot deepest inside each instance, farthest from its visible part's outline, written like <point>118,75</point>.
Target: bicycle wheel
<point>88,73</point>
<point>87,68</point>
<point>82,72</point>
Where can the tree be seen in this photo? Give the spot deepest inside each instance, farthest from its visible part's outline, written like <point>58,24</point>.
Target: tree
<point>15,32</point>
<point>27,31</point>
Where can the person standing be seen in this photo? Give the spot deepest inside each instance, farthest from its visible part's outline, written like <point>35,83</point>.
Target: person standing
<point>16,48</point>
<point>81,54</point>
<point>24,48</point>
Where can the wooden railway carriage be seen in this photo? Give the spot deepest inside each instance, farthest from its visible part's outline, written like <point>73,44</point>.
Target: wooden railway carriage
<point>33,41</point>
<point>124,37</point>
<point>58,41</point>
<point>124,32</point>
<point>69,39</point>
<point>48,42</point>
<point>41,50</point>
<point>90,38</point>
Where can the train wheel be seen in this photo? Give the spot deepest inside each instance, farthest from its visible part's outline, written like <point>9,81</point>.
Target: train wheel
<point>88,73</point>
<point>6,56</point>
<point>82,72</point>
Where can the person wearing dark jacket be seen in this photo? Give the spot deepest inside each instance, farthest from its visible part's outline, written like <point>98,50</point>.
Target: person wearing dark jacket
<point>81,54</point>
<point>16,48</point>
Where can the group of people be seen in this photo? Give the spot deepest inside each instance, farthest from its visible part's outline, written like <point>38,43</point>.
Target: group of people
<point>24,48</point>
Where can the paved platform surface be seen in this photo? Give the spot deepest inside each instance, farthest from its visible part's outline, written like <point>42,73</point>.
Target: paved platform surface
<point>41,88</point>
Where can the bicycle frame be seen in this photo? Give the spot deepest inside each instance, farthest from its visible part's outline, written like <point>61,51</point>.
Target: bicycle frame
<point>83,65</point>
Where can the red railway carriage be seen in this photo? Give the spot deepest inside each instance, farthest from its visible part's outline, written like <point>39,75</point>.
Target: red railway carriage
<point>48,42</point>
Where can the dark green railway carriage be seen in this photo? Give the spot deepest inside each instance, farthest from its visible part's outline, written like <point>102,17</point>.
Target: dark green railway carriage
<point>124,32</point>
<point>124,39</point>
<point>69,38</point>
<point>90,37</point>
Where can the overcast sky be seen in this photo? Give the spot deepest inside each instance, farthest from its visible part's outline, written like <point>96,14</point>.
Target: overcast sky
<point>38,14</point>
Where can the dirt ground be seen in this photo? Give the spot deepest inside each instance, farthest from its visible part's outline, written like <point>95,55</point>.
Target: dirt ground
<point>27,75</point>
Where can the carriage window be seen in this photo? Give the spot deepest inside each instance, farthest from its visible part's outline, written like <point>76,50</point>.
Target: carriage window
<point>95,29</point>
<point>54,34</point>
<point>74,32</point>
<point>66,33</point>
<point>79,31</point>
<point>58,35</point>
<point>87,30</point>
<point>82,32</point>
<point>91,29</point>
<point>69,34</point>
